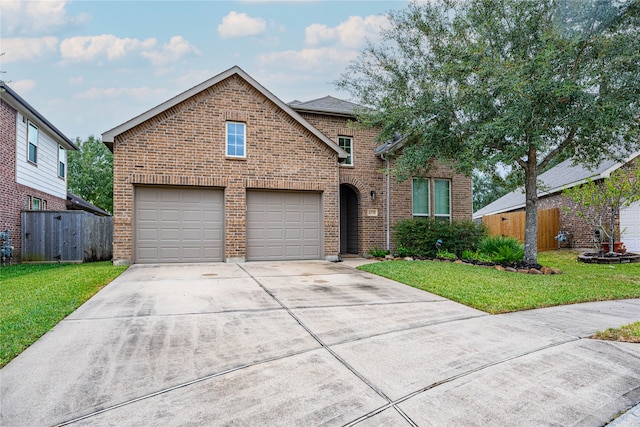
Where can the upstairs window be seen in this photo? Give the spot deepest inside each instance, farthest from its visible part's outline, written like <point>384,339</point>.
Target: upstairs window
<point>235,139</point>
<point>32,143</point>
<point>420,197</point>
<point>442,199</point>
<point>62,161</point>
<point>346,143</point>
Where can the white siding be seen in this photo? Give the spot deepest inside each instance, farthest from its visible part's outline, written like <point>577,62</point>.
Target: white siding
<point>44,176</point>
<point>630,220</point>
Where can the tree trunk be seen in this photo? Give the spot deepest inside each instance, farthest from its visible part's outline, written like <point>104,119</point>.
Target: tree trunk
<point>612,236</point>
<point>531,212</point>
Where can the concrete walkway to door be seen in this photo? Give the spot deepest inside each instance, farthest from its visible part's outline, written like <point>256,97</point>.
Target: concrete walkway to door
<point>315,343</point>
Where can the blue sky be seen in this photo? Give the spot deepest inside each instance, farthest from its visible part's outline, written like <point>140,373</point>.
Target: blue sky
<point>88,66</point>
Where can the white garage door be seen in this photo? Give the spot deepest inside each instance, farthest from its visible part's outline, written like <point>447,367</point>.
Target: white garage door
<point>283,226</point>
<point>630,219</point>
<point>178,225</point>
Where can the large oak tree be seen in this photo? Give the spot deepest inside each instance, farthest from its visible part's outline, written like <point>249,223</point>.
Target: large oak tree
<point>516,83</point>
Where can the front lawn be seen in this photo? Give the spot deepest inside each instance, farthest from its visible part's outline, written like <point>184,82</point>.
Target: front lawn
<point>496,291</point>
<point>627,333</point>
<point>34,298</point>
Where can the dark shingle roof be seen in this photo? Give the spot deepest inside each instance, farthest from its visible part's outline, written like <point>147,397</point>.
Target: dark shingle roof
<point>564,175</point>
<point>328,104</point>
<point>78,203</point>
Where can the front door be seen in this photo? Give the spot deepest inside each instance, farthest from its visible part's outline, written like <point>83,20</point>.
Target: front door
<point>348,220</point>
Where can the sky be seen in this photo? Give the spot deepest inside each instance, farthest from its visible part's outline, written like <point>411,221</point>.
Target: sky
<point>89,66</point>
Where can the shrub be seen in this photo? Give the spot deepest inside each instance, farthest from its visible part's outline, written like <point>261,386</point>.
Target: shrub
<point>475,256</point>
<point>445,254</point>
<point>418,236</point>
<point>502,249</point>
<point>378,253</point>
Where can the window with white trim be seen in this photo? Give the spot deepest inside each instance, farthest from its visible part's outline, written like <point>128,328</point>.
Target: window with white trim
<point>442,199</point>
<point>420,197</point>
<point>32,143</point>
<point>235,140</point>
<point>28,202</point>
<point>346,143</point>
<point>35,204</point>
<point>62,161</point>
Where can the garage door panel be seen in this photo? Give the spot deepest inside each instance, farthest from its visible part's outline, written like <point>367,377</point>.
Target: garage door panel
<point>283,225</point>
<point>178,225</point>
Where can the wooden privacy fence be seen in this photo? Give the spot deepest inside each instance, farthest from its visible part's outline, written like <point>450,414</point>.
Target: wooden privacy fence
<point>74,236</point>
<point>513,224</point>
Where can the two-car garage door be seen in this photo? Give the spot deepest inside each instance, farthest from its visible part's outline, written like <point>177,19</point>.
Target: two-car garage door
<point>187,225</point>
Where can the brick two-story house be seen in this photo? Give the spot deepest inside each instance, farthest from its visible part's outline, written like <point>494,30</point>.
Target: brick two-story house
<point>33,163</point>
<point>226,171</point>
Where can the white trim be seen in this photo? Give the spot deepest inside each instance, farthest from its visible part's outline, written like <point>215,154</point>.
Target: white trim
<point>350,138</point>
<point>226,139</point>
<point>435,215</point>
<point>110,135</point>
<point>428,181</point>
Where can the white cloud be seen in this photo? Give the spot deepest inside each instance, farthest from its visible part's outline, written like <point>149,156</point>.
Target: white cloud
<point>88,48</point>
<point>176,49</point>
<point>241,25</point>
<point>37,17</point>
<point>143,93</point>
<point>76,81</point>
<point>27,49</point>
<point>23,86</point>
<point>351,33</point>
<point>310,59</point>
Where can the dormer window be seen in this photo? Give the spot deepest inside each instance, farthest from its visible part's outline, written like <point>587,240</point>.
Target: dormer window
<point>346,143</point>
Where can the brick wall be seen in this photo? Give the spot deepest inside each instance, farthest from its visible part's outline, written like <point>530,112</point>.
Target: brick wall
<point>367,174</point>
<point>13,196</point>
<point>363,177</point>
<point>185,146</point>
<point>581,230</point>
<point>461,201</point>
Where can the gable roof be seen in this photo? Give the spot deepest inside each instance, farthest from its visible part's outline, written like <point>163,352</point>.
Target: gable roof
<point>326,105</point>
<point>9,96</point>
<point>562,176</point>
<point>109,136</point>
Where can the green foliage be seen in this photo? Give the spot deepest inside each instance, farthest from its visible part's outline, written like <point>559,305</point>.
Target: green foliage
<point>518,83</point>
<point>418,236</point>
<point>445,254</point>
<point>489,187</point>
<point>502,249</point>
<point>468,255</point>
<point>91,173</point>
<point>403,252</point>
<point>378,253</point>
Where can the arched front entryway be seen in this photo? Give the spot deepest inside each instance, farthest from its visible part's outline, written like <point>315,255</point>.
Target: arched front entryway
<point>348,219</point>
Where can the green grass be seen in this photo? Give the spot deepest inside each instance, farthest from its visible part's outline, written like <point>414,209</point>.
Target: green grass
<point>496,291</point>
<point>34,298</point>
<point>627,333</point>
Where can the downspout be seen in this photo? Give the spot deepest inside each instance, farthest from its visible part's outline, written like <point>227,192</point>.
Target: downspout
<point>388,207</point>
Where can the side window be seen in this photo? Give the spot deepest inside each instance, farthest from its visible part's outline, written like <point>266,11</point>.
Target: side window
<point>442,199</point>
<point>28,203</point>
<point>35,204</point>
<point>62,161</point>
<point>420,197</point>
<point>32,143</point>
<point>346,143</point>
<point>235,140</point>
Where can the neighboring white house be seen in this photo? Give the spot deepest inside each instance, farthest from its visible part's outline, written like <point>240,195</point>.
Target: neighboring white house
<point>33,163</point>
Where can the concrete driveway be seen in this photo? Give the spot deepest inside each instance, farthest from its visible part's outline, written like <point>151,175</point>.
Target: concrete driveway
<point>315,343</point>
